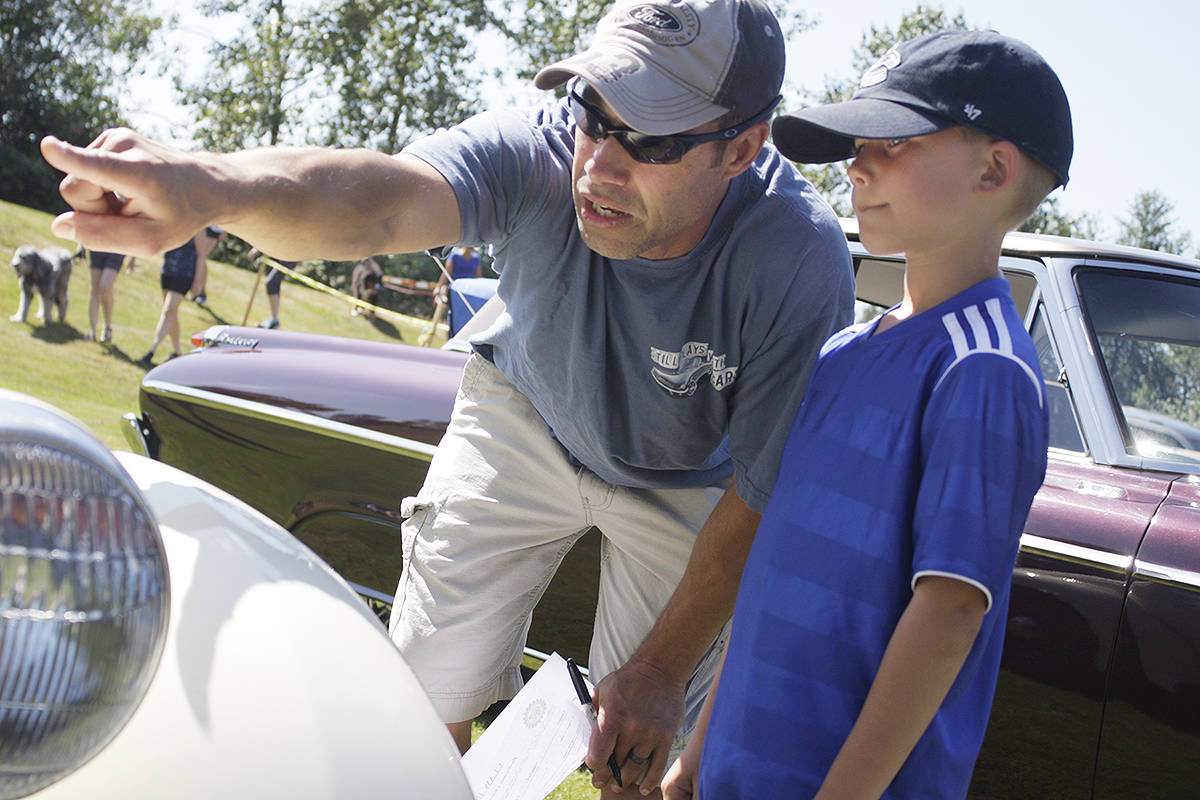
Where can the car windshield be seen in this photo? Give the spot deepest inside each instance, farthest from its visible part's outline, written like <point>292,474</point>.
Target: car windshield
<point>1147,327</point>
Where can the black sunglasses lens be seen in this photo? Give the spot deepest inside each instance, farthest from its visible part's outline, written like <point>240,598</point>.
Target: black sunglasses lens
<point>642,147</point>
<point>588,121</point>
<point>654,149</point>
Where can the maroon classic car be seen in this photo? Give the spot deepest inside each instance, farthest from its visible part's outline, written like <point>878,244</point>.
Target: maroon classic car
<point>1099,696</point>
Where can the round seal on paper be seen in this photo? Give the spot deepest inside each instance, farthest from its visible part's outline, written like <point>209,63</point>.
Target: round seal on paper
<point>535,712</point>
<point>671,26</point>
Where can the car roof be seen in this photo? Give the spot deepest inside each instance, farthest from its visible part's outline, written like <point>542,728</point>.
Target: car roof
<point>1037,245</point>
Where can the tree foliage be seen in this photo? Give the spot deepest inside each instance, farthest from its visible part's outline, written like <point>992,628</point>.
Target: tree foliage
<point>544,31</point>
<point>398,67</point>
<point>252,90</point>
<point>1050,218</point>
<point>63,65</point>
<point>1152,224</point>
<point>345,72</point>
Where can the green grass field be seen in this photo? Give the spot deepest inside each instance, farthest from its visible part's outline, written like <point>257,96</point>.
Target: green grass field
<point>97,383</point>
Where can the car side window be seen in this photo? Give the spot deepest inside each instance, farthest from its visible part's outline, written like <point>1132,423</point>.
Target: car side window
<point>1064,427</point>
<point>1145,326</point>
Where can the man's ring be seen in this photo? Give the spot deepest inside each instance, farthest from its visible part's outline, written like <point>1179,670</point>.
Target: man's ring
<point>641,762</point>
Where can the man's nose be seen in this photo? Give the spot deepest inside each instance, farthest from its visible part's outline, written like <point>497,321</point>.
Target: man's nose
<point>609,161</point>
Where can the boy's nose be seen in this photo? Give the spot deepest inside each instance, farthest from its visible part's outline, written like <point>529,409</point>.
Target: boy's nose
<point>859,169</point>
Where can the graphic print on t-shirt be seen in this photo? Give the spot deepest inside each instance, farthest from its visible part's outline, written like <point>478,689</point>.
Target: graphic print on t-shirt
<point>680,372</point>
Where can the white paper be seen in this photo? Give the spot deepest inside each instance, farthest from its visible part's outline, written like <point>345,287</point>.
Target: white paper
<point>539,739</point>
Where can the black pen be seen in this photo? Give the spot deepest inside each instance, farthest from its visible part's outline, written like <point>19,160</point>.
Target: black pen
<point>585,697</point>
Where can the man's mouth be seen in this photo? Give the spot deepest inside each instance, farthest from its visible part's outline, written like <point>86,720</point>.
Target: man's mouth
<point>605,211</point>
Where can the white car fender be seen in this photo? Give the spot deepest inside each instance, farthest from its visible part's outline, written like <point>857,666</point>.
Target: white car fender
<point>275,680</point>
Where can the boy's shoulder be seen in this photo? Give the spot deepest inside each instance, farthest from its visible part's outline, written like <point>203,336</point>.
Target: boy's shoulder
<point>976,335</point>
<point>983,321</point>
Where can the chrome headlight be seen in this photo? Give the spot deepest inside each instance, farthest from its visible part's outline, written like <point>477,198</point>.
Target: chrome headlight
<point>83,595</point>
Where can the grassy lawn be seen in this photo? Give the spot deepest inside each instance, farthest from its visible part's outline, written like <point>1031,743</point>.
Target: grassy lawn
<point>97,383</point>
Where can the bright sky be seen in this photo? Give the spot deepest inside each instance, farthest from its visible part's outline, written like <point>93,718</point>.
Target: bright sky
<point>1126,68</point>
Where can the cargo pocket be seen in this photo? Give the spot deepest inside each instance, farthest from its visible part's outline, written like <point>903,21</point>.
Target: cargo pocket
<point>418,513</point>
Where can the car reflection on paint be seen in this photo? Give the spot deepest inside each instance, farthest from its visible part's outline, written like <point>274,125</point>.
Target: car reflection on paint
<point>1099,694</point>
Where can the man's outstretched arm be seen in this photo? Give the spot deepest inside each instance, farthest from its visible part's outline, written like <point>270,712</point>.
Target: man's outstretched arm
<point>133,195</point>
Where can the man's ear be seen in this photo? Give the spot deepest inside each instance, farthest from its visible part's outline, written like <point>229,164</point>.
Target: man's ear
<point>742,151</point>
<point>1003,167</point>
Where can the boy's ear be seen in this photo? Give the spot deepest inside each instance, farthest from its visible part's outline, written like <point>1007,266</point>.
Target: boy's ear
<point>1002,168</point>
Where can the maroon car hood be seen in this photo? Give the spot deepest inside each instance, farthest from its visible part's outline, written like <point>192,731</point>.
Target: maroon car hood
<point>352,381</point>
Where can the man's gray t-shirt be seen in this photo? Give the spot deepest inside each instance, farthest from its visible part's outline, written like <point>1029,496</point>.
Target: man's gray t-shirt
<point>654,374</point>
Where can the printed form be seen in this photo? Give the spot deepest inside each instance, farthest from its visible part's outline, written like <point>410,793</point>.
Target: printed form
<point>539,739</point>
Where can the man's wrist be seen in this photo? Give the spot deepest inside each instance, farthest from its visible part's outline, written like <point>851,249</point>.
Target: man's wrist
<point>663,666</point>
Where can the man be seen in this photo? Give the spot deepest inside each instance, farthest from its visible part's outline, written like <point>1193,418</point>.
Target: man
<point>668,279</point>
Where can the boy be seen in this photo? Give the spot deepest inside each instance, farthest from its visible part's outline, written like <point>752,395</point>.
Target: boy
<point>870,618</point>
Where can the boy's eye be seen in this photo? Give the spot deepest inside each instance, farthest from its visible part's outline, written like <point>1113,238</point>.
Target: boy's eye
<point>896,142</point>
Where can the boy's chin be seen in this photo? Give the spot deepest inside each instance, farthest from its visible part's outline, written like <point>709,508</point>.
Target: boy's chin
<point>878,246</point>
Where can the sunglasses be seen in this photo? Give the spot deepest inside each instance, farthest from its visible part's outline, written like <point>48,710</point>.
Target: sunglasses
<point>648,148</point>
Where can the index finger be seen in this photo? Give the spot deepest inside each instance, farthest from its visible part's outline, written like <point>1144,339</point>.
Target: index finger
<point>600,747</point>
<point>100,168</point>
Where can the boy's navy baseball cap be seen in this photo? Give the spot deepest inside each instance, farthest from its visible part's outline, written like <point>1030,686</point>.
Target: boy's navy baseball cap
<point>667,66</point>
<point>980,79</point>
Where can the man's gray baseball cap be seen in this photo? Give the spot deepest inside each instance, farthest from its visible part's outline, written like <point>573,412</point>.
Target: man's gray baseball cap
<point>668,66</point>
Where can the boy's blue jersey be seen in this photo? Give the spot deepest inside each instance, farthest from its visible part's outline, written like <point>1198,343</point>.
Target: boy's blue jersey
<point>916,452</point>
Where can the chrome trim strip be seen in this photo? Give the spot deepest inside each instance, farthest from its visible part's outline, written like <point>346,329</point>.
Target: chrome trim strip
<point>131,428</point>
<point>1178,577</point>
<point>1077,553</point>
<point>371,593</point>
<point>293,419</point>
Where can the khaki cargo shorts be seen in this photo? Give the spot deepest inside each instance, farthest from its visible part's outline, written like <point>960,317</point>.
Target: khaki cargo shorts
<point>501,505</point>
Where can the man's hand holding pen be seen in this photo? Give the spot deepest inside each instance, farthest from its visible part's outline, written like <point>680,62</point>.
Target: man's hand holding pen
<point>639,710</point>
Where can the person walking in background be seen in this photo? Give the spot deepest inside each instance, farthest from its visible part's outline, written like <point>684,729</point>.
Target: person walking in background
<point>464,262</point>
<point>274,285</point>
<point>213,234</point>
<point>178,278</point>
<point>105,267</point>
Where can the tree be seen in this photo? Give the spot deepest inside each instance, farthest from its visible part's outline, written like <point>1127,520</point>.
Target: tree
<point>544,31</point>
<point>62,66</point>
<point>1050,218</point>
<point>1151,224</point>
<point>398,67</point>
<point>252,90</point>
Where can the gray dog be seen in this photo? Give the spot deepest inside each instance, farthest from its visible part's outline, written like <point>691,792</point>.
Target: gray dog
<point>47,271</point>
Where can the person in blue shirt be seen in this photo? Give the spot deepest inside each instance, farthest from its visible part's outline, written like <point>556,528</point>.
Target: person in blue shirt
<point>870,618</point>
<point>464,262</point>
